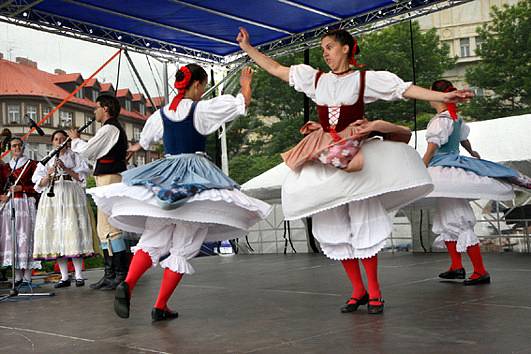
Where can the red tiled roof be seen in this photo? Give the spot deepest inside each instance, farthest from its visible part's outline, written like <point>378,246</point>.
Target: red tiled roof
<point>158,100</point>
<point>23,80</point>
<point>92,82</point>
<point>67,78</point>
<point>106,86</point>
<point>138,97</point>
<point>123,92</point>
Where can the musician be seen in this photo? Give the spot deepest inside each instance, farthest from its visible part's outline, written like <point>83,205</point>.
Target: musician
<point>62,228</point>
<point>17,185</point>
<point>108,147</point>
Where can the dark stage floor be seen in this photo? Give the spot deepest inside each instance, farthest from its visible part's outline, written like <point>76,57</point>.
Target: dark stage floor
<point>286,304</point>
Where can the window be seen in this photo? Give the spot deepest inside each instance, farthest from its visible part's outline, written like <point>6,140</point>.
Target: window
<point>95,94</point>
<point>45,112</point>
<point>136,133</point>
<point>13,114</point>
<point>31,111</point>
<point>79,94</point>
<point>128,105</point>
<point>479,43</point>
<point>142,108</point>
<point>464,43</point>
<point>90,128</point>
<point>65,119</point>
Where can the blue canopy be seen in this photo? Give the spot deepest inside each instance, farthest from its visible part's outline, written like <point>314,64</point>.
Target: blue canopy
<point>205,30</point>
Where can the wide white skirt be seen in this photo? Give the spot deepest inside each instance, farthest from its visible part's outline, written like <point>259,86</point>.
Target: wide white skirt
<point>227,213</point>
<point>62,227</point>
<point>351,209</point>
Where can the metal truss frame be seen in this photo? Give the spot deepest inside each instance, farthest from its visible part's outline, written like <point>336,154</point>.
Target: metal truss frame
<point>23,13</point>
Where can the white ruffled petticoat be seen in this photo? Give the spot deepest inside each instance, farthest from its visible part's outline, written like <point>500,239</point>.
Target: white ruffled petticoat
<point>350,210</point>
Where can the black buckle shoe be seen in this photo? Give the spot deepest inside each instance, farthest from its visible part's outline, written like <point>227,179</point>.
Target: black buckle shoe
<point>80,282</point>
<point>163,315</point>
<point>483,279</point>
<point>354,306</point>
<point>62,284</point>
<point>453,274</point>
<point>375,309</point>
<point>122,300</point>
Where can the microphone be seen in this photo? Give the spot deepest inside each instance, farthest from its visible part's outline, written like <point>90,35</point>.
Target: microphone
<point>34,125</point>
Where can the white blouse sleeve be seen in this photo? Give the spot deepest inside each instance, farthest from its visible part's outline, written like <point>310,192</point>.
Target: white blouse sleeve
<point>210,114</point>
<point>38,175</point>
<point>384,85</point>
<point>439,129</point>
<point>99,145</point>
<point>465,131</point>
<point>152,131</point>
<point>81,168</point>
<point>302,79</point>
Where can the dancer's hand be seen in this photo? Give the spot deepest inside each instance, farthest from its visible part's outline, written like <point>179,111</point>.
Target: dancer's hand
<point>15,189</point>
<point>475,154</point>
<point>458,96</point>
<point>73,134</point>
<point>246,76</point>
<point>243,38</point>
<point>132,149</point>
<point>3,197</point>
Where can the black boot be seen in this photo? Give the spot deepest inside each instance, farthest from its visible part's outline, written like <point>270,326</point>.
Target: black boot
<point>108,275</point>
<point>120,262</point>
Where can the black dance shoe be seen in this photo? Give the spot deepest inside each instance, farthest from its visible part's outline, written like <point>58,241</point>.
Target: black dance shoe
<point>62,284</point>
<point>375,309</point>
<point>122,300</point>
<point>80,282</point>
<point>163,315</point>
<point>483,279</point>
<point>453,274</point>
<point>354,306</point>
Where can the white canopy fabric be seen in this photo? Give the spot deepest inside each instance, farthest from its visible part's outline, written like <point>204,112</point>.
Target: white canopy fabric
<point>505,139</point>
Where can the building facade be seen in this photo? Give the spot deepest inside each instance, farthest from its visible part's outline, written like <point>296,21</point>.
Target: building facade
<point>26,91</point>
<point>457,26</point>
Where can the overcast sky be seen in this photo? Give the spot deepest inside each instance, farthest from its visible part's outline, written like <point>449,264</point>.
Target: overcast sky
<point>72,55</point>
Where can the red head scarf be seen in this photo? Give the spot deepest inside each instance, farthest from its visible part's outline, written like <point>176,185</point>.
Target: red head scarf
<point>452,107</point>
<point>181,87</point>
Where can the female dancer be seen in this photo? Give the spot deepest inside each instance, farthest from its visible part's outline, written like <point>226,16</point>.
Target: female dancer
<point>350,211</point>
<point>23,196</point>
<point>457,180</point>
<point>62,228</point>
<point>180,201</point>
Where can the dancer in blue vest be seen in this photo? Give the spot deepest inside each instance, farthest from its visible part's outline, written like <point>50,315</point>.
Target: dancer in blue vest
<point>457,180</point>
<point>182,200</point>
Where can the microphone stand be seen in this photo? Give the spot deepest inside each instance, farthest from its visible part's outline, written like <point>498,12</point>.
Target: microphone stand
<point>14,291</point>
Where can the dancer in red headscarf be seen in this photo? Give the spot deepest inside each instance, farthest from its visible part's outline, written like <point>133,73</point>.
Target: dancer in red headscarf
<point>349,211</point>
<point>182,200</point>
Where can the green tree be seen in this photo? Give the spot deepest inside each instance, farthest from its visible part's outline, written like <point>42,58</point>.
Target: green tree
<point>390,50</point>
<point>505,65</point>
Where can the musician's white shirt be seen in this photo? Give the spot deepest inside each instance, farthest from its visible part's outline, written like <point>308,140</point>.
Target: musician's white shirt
<point>99,145</point>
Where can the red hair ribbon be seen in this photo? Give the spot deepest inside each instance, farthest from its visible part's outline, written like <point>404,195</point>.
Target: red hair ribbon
<point>452,107</point>
<point>181,87</point>
<point>352,60</point>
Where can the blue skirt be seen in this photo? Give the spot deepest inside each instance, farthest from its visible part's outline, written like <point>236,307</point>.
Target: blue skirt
<point>478,166</point>
<point>174,179</point>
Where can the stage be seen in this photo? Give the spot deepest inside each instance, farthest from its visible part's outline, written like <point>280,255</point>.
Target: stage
<point>286,304</point>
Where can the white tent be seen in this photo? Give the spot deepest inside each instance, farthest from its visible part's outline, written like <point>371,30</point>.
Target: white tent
<point>506,140</point>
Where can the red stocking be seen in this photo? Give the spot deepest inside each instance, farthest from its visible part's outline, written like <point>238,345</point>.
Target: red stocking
<point>139,264</point>
<point>477,261</point>
<point>454,255</point>
<point>371,269</point>
<point>170,280</point>
<point>353,271</point>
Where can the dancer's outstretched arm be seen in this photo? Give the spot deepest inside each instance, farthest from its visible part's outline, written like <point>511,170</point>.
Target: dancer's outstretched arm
<point>265,62</point>
<point>420,93</point>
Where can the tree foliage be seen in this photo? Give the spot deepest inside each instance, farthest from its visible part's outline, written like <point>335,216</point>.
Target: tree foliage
<point>390,50</point>
<point>506,63</point>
